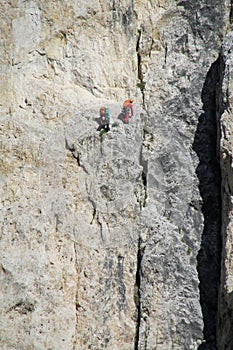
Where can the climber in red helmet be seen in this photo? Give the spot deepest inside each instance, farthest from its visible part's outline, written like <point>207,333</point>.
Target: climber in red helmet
<point>127,111</point>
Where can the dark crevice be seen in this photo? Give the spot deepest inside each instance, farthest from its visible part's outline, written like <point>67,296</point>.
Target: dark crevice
<point>206,146</point>
<point>93,216</point>
<point>101,227</point>
<point>57,222</point>
<point>138,293</point>
<point>73,151</point>
<point>122,304</point>
<point>144,182</point>
<point>144,164</point>
<point>139,57</point>
<point>141,83</point>
<point>231,12</point>
<point>75,155</point>
<point>77,304</point>
<point>225,313</point>
<point>165,54</point>
<point>23,307</point>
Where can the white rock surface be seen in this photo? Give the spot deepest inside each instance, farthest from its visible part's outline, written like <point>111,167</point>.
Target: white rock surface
<point>100,233</point>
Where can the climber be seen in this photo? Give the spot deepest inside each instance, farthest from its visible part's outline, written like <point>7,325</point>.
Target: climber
<point>127,111</point>
<point>104,119</point>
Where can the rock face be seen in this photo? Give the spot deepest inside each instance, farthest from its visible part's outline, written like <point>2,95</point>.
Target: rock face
<point>112,240</point>
<point>225,320</point>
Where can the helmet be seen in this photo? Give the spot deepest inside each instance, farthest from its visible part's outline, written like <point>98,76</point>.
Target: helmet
<point>131,100</point>
<point>102,110</point>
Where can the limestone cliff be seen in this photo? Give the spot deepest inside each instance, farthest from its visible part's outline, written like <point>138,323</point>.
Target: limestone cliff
<point>225,320</point>
<point>112,240</point>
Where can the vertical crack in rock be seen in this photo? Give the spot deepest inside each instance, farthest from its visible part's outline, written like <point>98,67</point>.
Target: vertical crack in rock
<point>57,222</point>
<point>93,216</point>
<point>139,57</point>
<point>100,226</point>
<point>165,54</point>
<point>75,154</point>
<point>231,12</point>
<point>141,83</point>
<point>138,293</point>
<point>225,314</point>
<point>121,286</point>
<point>77,305</point>
<point>144,164</point>
<point>208,172</point>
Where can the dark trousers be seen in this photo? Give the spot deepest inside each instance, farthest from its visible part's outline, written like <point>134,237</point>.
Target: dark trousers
<point>104,127</point>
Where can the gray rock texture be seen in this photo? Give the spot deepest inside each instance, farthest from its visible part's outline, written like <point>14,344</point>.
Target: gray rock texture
<point>225,319</point>
<point>107,238</point>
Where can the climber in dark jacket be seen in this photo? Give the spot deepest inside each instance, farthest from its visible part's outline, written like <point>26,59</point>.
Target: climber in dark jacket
<point>104,119</point>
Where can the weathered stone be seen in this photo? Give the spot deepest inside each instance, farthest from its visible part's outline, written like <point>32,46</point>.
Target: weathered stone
<point>101,231</point>
<point>225,324</point>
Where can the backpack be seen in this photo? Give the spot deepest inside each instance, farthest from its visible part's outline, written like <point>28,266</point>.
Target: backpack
<point>107,115</point>
<point>125,110</point>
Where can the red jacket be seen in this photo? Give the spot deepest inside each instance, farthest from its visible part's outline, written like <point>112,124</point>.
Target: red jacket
<point>128,104</point>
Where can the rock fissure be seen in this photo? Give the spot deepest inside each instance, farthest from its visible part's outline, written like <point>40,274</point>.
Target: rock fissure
<point>206,146</point>
<point>144,165</point>
<point>100,227</point>
<point>140,253</point>
<point>77,304</point>
<point>141,83</point>
<point>165,54</point>
<point>57,222</point>
<point>225,316</point>
<point>139,57</point>
<point>93,216</point>
<point>23,307</point>
<point>121,286</point>
<point>231,12</point>
<point>75,154</point>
